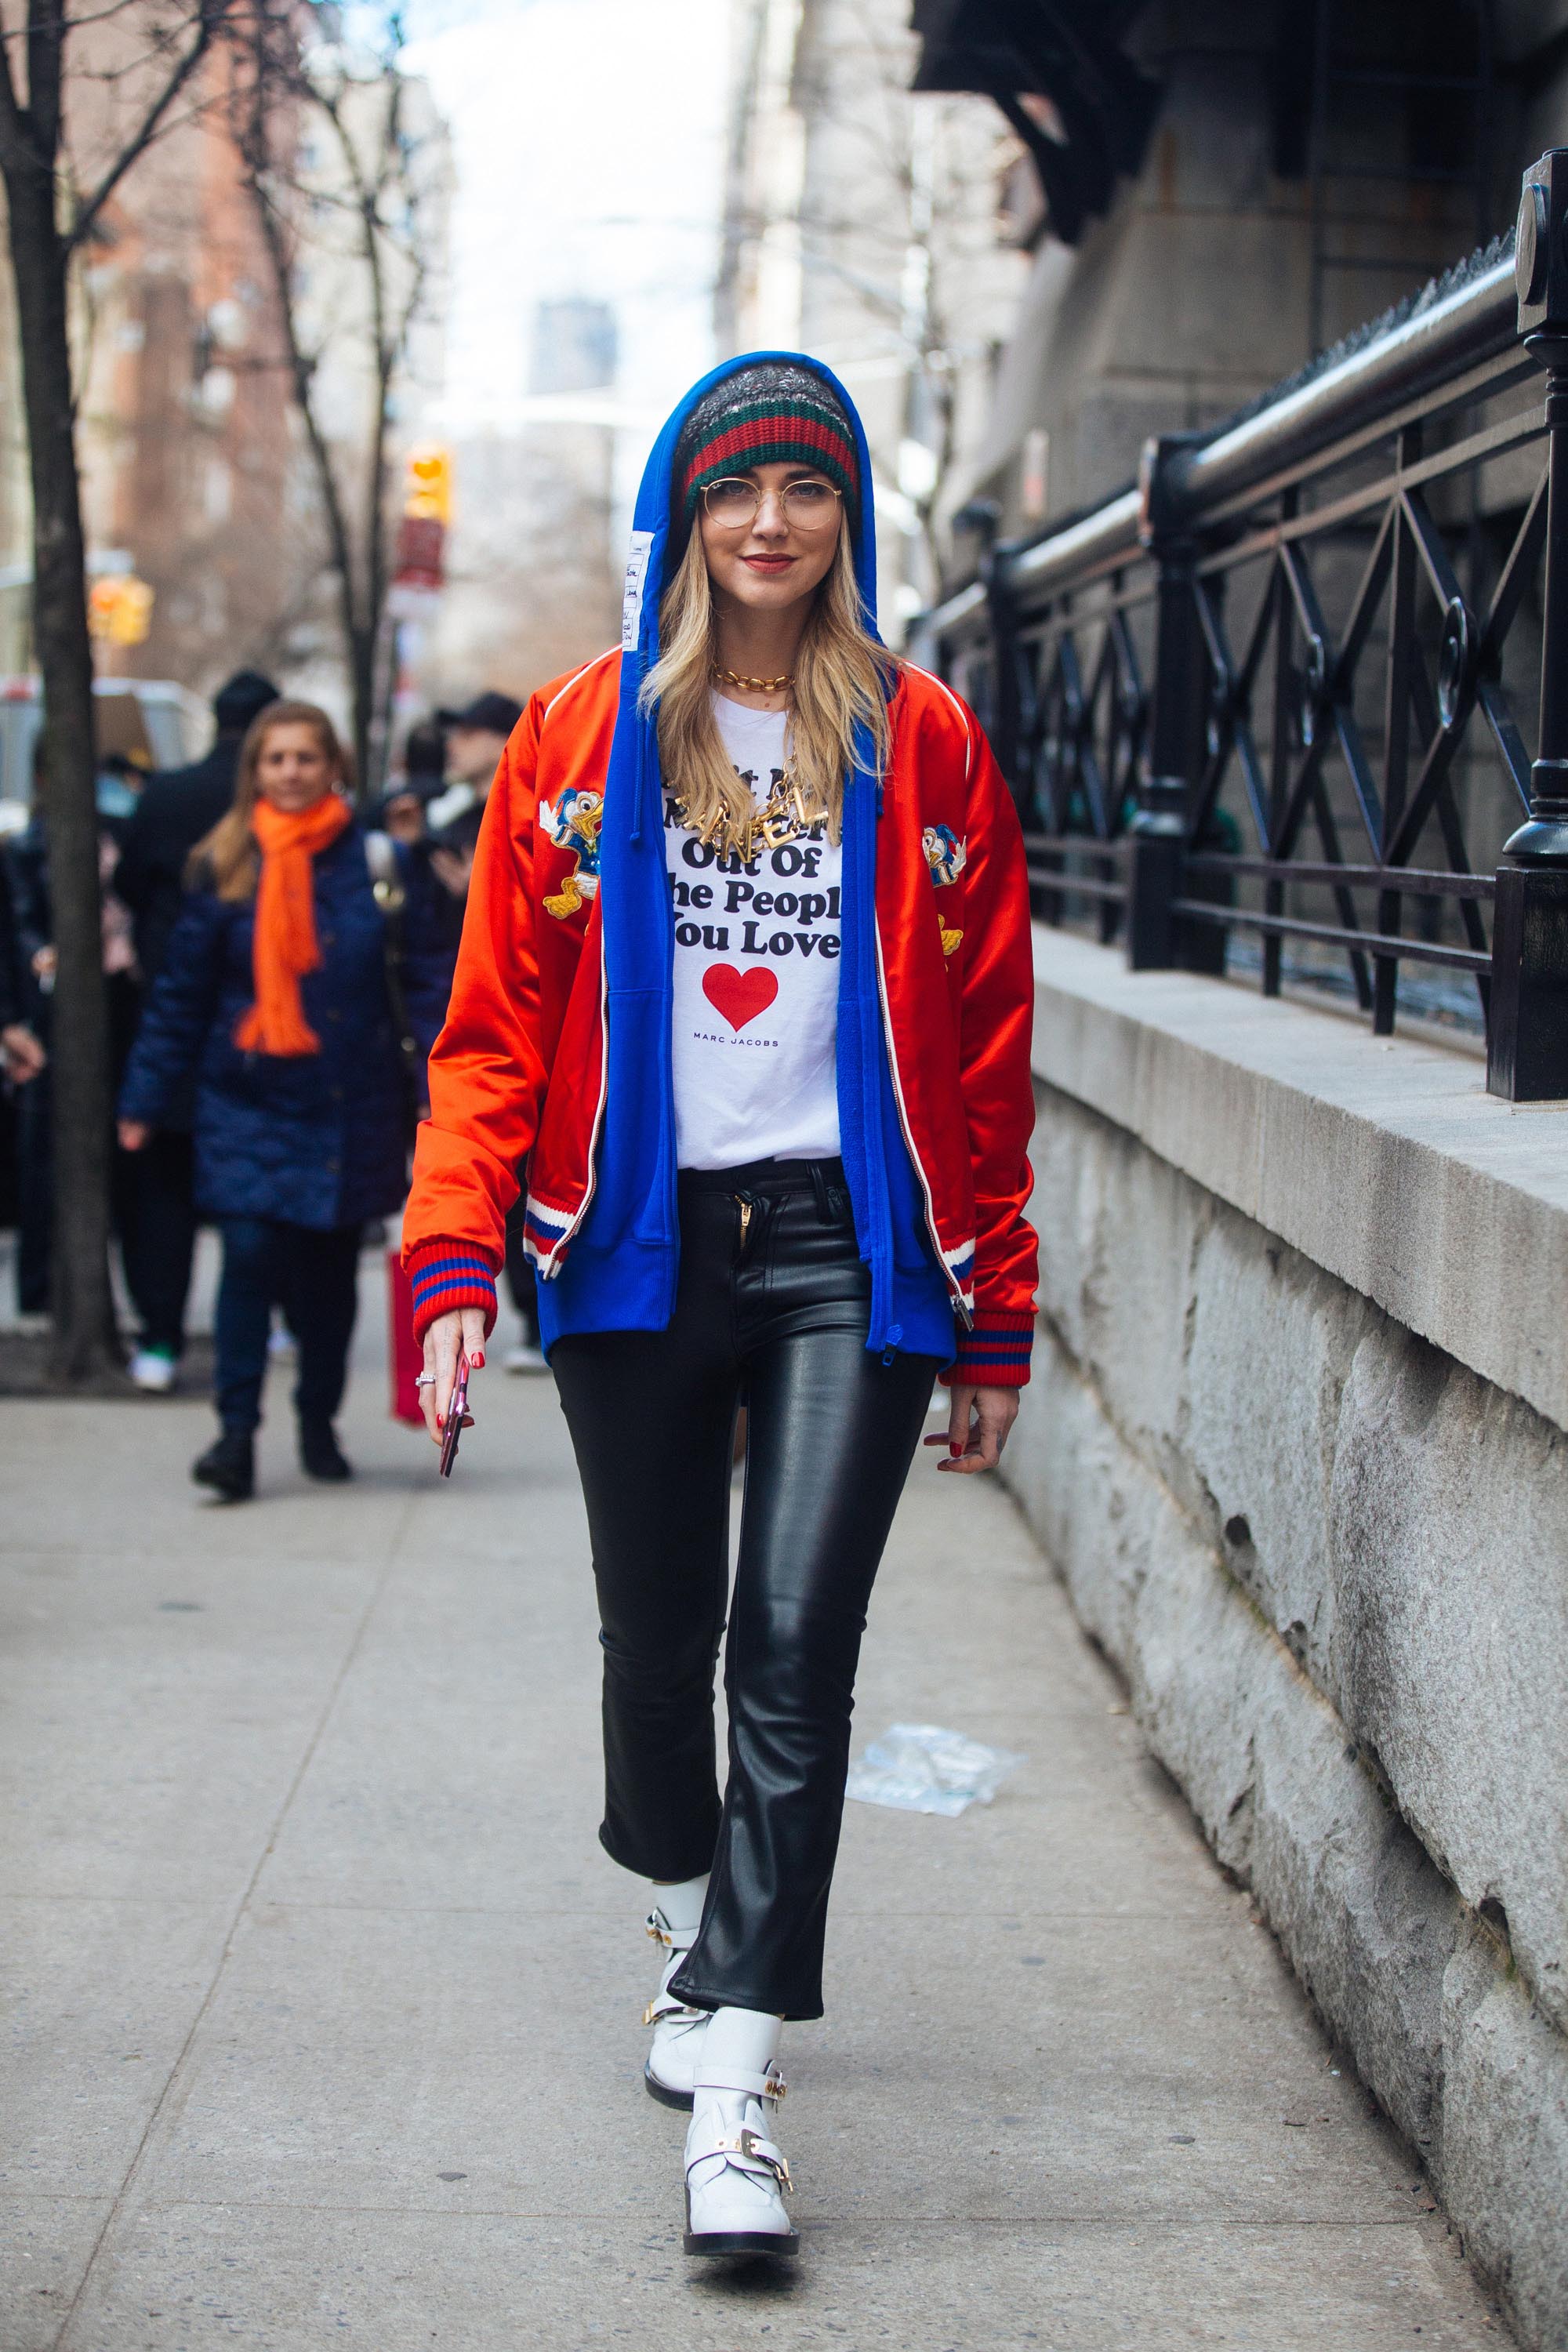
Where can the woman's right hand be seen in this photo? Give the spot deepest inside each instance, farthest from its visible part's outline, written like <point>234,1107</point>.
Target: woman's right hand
<point>133,1134</point>
<point>462,1327</point>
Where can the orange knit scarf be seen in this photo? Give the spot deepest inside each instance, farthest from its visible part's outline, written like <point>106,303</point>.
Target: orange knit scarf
<point>285,945</point>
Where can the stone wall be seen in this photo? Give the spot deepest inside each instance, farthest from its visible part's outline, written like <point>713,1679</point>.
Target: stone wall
<point>1331,1557</point>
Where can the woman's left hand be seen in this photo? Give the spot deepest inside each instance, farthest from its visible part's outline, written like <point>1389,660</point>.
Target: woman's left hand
<point>977,1427</point>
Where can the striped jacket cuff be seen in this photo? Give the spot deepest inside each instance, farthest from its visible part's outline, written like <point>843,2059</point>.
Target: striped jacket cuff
<point>993,1353</point>
<point>444,1274</point>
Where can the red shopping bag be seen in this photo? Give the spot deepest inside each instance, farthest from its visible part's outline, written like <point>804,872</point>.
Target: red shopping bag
<point>405,1356</point>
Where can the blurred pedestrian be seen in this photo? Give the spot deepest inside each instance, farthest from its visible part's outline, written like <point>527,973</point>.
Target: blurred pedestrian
<point>24,1056</point>
<point>177,808</point>
<point>476,737</point>
<point>472,756</point>
<point>401,813</point>
<point>34,951</point>
<point>121,783</point>
<point>776,1147</point>
<point>522,1288</point>
<point>31,910</point>
<point>424,758</point>
<point>402,809</point>
<point>174,809</point>
<point>21,1055</point>
<point>277,1006</point>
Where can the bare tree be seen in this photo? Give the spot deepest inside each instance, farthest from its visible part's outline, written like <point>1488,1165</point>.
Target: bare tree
<point>343,183</point>
<point>898,243</point>
<point>155,48</point>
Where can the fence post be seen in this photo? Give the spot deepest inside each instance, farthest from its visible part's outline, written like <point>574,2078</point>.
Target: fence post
<point>1526,1044</point>
<point>1157,833</point>
<point>1007,729</point>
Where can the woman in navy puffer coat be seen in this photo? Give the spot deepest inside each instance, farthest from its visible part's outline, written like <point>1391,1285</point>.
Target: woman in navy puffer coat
<point>273,998</point>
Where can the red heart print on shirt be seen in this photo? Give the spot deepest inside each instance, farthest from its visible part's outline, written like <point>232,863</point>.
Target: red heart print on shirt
<point>740,996</point>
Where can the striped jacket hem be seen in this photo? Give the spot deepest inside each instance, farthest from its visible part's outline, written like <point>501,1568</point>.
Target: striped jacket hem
<point>444,1274</point>
<point>993,1353</point>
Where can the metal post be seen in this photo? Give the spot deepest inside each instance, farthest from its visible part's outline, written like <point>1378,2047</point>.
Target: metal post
<point>1527,1046</point>
<point>1007,712</point>
<point>1157,834</point>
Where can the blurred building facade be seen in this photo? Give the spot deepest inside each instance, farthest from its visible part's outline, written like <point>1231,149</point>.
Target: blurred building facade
<point>862,222</point>
<point>534,582</point>
<point>186,440</point>
<point>1213,190</point>
<point>388,135</point>
<point>196,479</point>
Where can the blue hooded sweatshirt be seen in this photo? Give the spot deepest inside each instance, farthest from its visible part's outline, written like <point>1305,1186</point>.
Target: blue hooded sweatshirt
<point>621,1271</point>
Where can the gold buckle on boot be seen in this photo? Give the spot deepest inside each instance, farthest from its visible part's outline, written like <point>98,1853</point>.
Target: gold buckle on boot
<point>654,2015</point>
<point>750,2146</point>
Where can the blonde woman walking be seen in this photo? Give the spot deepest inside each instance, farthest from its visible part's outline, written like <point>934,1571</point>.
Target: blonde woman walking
<point>746,980</point>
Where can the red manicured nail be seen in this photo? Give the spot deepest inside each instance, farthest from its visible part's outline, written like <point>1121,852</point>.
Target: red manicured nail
<point>953,1446</point>
<point>477,1360</point>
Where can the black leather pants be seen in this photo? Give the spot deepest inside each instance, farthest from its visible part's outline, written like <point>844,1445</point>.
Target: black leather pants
<point>772,1311</point>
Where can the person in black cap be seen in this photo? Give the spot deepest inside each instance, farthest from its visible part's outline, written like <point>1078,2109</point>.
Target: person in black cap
<point>476,738</point>
<point>176,809</point>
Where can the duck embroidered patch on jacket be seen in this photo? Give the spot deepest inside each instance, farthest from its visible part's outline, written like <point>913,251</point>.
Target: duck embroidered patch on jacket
<point>574,827</point>
<point>946,855</point>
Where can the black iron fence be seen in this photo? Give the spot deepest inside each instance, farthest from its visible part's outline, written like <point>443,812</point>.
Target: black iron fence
<point>1278,690</point>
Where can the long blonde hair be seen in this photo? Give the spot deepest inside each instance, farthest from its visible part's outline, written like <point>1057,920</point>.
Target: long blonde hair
<point>842,680</point>
<point>226,860</point>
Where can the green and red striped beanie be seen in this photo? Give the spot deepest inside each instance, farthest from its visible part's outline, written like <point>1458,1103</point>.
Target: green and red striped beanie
<point>767,414</point>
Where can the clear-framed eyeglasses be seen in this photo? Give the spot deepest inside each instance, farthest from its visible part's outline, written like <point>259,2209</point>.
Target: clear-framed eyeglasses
<point>807,505</point>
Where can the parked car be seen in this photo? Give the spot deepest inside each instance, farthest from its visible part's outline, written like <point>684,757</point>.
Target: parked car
<point>150,720</point>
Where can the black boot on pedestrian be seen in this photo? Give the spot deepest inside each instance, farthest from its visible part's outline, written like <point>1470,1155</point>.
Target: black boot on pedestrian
<point>321,1455</point>
<point>229,1467</point>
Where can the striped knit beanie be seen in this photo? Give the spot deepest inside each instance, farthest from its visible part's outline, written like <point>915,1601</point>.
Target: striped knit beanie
<point>766,415</point>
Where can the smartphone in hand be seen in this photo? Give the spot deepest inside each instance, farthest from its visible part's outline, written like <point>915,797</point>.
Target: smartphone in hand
<point>458,1417</point>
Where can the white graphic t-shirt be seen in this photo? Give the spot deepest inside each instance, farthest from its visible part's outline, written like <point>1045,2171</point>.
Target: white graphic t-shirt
<point>756,977</point>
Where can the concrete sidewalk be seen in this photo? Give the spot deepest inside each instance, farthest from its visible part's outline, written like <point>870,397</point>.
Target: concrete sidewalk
<point>326,2003</point>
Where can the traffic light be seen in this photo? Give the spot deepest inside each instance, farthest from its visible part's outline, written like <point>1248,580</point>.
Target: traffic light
<point>429,492</point>
<point>120,609</point>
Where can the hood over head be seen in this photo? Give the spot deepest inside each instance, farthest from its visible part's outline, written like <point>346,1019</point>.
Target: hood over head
<point>753,410</point>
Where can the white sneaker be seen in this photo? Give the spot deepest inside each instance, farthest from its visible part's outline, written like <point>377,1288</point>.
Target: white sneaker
<point>736,2175</point>
<point>678,2032</point>
<point>152,1369</point>
<point>524,1359</point>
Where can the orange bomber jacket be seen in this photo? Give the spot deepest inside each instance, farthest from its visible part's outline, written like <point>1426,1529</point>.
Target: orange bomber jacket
<point>552,1067</point>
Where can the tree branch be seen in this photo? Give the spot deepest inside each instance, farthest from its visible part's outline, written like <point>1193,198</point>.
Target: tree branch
<point>210,15</point>
<point>360,208</point>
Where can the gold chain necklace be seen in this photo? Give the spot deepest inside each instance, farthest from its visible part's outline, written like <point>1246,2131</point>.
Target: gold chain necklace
<point>752,685</point>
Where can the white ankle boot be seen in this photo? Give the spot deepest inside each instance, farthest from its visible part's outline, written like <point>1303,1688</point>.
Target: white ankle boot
<point>736,2175</point>
<point>678,2032</point>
